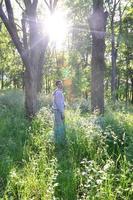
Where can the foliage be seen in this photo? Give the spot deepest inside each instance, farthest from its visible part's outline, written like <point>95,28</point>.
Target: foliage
<point>10,67</point>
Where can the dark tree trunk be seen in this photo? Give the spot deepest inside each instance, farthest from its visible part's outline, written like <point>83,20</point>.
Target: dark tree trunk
<point>2,79</point>
<point>32,54</point>
<point>126,88</point>
<point>97,75</point>
<point>114,51</point>
<point>98,29</point>
<point>30,93</point>
<point>22,77</point>
<point>131,90</point>
<point>113,73</point>
<point>46,83</point>
<point>41,63</point>
<point>118,86</point>
<point>127,79</point>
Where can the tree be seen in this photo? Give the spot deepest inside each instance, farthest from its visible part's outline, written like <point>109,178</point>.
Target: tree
<point>116,11</point>
<point>31,46</point>
<point>128,53</point>
<point>97,22</point>
<point>79,47</point>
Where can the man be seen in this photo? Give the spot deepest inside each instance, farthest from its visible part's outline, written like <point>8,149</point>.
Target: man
<point>58,107</point>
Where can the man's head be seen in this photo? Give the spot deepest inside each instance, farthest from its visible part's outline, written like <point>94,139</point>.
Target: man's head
<point>59,84</point>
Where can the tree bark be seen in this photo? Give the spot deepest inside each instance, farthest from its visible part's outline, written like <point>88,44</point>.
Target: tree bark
<point>114,48</point>
<point>118,86</point>
<point>30,93</point>
<point>2,79</point>
<point>98,28</point>
<point>97,75</point>
<point>126,88</point>
<point>113,58</point>
<point>131,90</point>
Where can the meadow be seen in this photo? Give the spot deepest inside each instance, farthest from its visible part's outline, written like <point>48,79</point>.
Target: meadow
<point>95,163</point>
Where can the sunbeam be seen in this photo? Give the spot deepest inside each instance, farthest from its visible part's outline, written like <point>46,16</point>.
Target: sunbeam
<point>56,27</point>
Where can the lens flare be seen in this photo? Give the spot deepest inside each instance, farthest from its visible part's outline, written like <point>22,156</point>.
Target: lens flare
<point>56,27</point>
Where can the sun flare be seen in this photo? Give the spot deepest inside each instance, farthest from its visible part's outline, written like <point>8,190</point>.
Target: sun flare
<point>56,27</point>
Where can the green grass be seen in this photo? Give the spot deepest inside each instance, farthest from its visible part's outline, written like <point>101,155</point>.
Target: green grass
<point>12,133</point>
<point>94,164</point>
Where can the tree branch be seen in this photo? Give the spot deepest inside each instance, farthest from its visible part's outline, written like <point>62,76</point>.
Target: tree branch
<point>108,12</point>
<point>1,2</point>
<point>14,36</point>
<point>124,9</point>
<point>47,4</point>
<point>19,4</point>
<point>17,25</point>
<point>34,4</point>
<point>109,8</point>
<point>10,30</point>
<point>55,4</point>
<point>51,5</point>
<point>27,3</point>
<point>117,2</point>
<point>23,21</point>
<point>9,11</point>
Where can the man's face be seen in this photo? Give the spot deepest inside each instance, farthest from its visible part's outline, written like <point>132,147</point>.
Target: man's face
<point>60,85</point>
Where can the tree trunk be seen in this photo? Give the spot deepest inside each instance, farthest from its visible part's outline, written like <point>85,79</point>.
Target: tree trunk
<point>118,86</point>
<point>97,75</point>
<point>126,88</point>
<point>114,50</point>
<point>127,78</point>
<point>98,28</point>
<point>113,73</point>
<point>2,79</point>
<point>43,46</point>
<point>131,90</point>
<point>30,93</point>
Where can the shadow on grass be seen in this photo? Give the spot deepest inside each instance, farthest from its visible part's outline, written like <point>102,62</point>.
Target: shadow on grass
<point>66,189</point>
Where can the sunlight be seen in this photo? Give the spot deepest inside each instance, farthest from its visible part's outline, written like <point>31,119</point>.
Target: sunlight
<point>56,27</point>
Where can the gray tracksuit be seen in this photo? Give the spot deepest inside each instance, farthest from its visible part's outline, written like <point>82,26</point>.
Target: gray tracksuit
<point>59,106</point>
<point>58,100</point>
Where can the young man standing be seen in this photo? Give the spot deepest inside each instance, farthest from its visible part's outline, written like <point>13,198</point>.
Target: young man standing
<point>59,106</point>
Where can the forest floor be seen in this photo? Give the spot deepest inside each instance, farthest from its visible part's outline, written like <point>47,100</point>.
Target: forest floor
<point>95,163</point>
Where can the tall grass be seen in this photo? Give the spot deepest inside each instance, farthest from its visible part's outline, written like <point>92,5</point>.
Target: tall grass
<point>35,180</point>
<point>103,173</point>
<point>94,164</point>
<point>12,133</point>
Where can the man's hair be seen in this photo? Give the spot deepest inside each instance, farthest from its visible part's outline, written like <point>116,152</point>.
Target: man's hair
<point>57,82</point>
